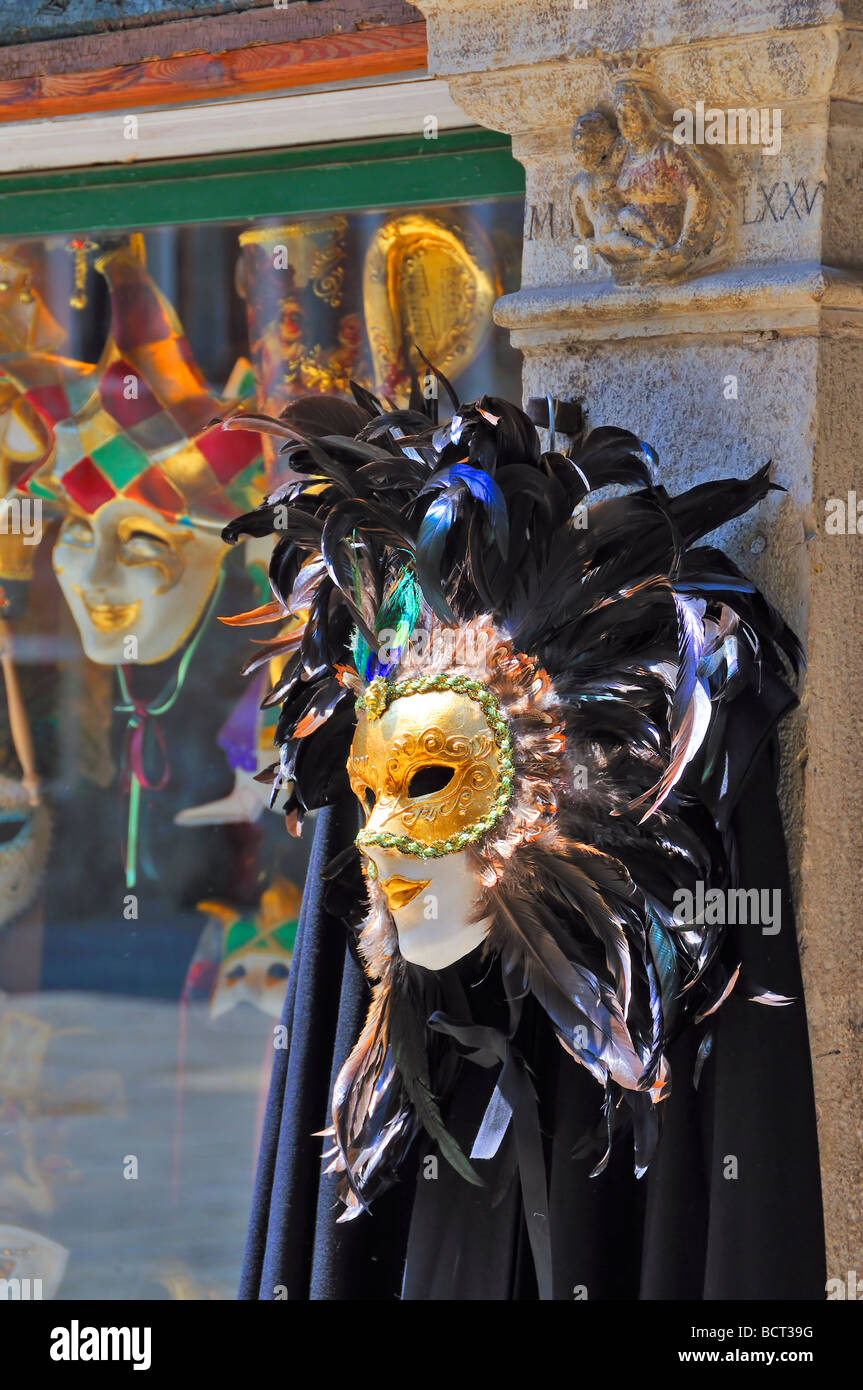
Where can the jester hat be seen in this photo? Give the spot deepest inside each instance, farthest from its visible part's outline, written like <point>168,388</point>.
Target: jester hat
<point>140,423</point>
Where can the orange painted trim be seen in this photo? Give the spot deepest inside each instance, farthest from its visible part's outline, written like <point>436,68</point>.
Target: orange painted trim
<point>189,77</point>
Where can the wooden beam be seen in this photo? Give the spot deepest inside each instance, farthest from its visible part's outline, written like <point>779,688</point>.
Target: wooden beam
<point>143,37</point>
<point>190,77</point>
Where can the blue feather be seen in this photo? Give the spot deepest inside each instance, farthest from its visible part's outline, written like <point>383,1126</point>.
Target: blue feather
<point>484,488</point>
<point>434,529</point>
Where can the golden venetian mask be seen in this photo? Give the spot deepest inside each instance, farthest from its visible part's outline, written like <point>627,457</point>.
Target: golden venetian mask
<point>431,762</point>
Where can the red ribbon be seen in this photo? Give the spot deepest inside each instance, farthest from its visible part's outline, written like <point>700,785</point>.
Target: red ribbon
<point>134,750</point>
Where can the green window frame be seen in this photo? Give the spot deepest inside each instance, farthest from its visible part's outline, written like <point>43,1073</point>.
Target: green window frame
<point>391,171</point>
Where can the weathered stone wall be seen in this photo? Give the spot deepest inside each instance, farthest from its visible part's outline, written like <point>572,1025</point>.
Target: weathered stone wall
<point>749,351</point>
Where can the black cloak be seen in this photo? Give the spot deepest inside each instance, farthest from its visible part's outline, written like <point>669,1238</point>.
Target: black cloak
<point>730,1207</point>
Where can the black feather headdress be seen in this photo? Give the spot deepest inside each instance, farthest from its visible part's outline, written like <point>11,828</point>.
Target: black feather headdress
<point>614,642</point>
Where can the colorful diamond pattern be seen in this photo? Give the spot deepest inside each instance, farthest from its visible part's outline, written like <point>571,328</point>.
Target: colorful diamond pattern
<point>87,486</point>
<point>228,452</point>
<point>142,426</point>
<point>126,395</point>
<point>120,460</point>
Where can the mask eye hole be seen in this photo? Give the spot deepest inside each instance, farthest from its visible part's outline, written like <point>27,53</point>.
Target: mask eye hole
<point>428,780</point>
<point>10,829</point>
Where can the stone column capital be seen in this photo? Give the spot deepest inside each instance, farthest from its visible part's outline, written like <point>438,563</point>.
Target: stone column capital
<point>622,192</point>
<point>492,36</point>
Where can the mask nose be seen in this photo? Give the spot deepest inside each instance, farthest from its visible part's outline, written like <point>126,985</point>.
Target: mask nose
<point>102,567</point>
<point>383,815</point>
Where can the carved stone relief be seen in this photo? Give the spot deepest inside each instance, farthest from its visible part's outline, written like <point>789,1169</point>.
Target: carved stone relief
<point>651,208</point>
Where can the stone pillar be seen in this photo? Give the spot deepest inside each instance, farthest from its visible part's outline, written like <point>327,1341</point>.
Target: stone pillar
<point>708,296</point>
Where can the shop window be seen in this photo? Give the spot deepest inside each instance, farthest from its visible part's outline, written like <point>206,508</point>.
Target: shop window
<point>149,895</point>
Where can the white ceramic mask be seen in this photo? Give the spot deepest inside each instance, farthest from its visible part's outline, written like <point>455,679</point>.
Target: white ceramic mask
<point>127,572</point>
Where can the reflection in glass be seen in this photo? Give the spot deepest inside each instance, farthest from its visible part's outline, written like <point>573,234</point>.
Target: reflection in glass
<point>150,899</point>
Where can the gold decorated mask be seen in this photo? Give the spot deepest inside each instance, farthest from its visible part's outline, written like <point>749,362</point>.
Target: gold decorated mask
<point>431,762</point>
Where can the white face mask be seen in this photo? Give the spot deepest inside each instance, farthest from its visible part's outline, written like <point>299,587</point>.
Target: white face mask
<point>432,902</point>
<point>258,978</point>
<point>127,572</point>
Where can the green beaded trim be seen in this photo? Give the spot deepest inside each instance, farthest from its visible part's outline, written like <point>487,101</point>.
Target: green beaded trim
<point>379,695</point>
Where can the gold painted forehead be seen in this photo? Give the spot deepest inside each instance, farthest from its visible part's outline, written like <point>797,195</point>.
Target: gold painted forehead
<point>431,761</point>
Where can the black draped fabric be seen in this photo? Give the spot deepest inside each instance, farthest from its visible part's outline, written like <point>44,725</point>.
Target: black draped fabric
<point>730,1207</point>
<point>295,1249</point>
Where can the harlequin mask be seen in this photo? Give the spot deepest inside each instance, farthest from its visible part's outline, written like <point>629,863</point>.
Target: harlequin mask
<point>244,957</point>
<point>129,572</point>
<point>132,457</point>
<point>25,840</point>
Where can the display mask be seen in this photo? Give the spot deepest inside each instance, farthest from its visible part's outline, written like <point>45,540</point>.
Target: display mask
<point>32,1258</point>
<point>433,769</point>
<point>143,477</point>
<point>127,572</point>
<point>529,789</point>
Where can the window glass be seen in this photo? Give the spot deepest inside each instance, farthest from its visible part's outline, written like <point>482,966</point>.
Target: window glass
<point>148,896</point>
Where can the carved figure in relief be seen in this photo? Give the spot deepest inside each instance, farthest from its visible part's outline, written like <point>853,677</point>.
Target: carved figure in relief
<point>652,209</point>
